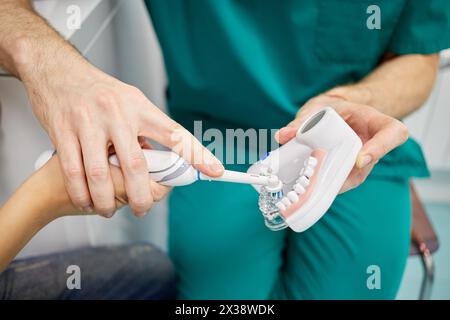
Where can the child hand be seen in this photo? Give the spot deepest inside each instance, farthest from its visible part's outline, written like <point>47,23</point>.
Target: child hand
<point>51,179</point>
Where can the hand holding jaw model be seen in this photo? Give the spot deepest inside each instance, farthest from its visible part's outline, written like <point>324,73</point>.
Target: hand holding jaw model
<point>297,182</point>
<point>312,168</point>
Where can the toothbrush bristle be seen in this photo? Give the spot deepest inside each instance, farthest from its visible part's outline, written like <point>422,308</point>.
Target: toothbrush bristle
<point>267,205</point>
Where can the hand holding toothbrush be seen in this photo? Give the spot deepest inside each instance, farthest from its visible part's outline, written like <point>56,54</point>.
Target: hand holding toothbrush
<point>85,111</point>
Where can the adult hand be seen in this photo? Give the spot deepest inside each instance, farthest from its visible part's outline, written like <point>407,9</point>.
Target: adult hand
<point>379,133</point>
<point>85,112</point>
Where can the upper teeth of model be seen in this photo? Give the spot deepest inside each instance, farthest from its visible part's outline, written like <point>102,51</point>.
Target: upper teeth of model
<point>311,161</point>
<point>300,185</point>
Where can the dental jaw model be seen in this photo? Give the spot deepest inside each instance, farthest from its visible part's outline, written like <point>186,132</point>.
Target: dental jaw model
<point>312,168</point>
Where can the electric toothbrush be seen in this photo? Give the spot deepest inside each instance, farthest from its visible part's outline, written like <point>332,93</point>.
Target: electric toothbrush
<point>169,169</point>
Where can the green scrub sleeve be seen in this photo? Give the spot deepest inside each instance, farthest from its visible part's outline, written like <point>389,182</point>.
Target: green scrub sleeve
<point>423,28</point>
<point>403,162</point>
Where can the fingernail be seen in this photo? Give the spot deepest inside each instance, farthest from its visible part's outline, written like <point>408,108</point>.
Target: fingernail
<point>277,135</point>
<point>110,215</point>
<point>288,130</point>
<point>88,209</point>
<point>364,161</point>
<point>140,214</point>
<point>216,168</point>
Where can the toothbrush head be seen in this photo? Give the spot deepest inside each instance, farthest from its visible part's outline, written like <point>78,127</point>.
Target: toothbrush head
<point>269,196</point>
<point>274,184</point>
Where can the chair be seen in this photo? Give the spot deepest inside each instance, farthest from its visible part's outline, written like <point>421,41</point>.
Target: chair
<point>424,243</point>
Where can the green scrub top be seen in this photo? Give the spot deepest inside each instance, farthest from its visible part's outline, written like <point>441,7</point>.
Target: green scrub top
<point>253,63</point>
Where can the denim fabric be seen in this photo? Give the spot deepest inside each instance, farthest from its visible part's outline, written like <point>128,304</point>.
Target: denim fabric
<point>137,271</point>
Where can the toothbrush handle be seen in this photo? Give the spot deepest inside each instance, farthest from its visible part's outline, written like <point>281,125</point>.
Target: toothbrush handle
<point>159,164</point>
<point>166,167</point>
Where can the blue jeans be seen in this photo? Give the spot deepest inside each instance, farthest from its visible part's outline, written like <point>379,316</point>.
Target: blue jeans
<point>137,271</point>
